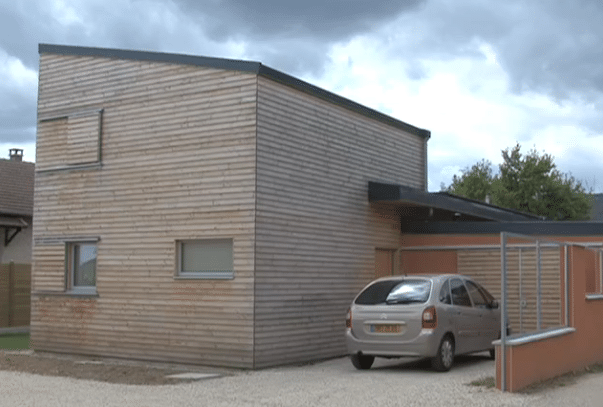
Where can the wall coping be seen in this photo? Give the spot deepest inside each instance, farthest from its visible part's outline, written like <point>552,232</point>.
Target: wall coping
<point>535,336</point>
<point>590,297</point>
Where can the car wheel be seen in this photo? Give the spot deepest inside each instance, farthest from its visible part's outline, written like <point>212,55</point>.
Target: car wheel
<point>362,362</point>
<point>493,353</point>
<point>442,362</point>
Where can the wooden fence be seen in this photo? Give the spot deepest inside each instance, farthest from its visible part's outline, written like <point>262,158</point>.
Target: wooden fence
<point>15,288</point>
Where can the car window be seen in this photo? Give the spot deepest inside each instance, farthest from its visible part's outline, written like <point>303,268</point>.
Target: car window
<point>395,292</point>
<point>460,296</point>
<point>410,291</point>
<point>476,295</point>
<point>376,293</point>
<point>489,297</point>
<point>445,293</point>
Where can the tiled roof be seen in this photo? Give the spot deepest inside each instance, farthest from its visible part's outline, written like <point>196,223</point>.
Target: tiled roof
<point>16,187</point>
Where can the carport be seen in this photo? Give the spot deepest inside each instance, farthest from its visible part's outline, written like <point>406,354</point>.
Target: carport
<point>445,233</point>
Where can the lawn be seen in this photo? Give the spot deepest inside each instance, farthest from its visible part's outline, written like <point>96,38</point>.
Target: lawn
<point>14,341</point>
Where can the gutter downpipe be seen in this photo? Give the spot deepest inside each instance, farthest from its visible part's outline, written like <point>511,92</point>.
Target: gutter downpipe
<point>503,314</point>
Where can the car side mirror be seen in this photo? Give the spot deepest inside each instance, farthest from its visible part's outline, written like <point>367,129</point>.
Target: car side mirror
<point>494,304</point>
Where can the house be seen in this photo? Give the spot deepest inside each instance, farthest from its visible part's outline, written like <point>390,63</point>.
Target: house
<point>220,212</point>
<point>16,210</point>
<point>204,210</point>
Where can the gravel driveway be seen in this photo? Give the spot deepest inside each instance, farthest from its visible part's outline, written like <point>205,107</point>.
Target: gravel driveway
<point>331,383</point>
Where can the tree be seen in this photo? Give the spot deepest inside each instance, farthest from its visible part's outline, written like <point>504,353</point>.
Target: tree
<point>529,183</point>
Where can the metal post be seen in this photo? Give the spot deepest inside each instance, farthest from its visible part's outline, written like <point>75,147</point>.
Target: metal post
<point>566,283</point>
<point>538,288</point>
<point>600,273</point>
<point>520,292</point>
<point>503,311</point>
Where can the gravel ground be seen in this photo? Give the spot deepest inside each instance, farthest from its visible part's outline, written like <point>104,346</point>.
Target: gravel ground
<point>330,383</point>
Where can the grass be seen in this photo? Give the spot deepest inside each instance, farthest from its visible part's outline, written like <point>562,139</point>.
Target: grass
<point>14,341</point>
<point>488,382</point>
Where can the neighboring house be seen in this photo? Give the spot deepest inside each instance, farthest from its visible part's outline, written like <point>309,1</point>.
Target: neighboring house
<point>16,210</point>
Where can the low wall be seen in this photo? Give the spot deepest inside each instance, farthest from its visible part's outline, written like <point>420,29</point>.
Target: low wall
<point>15,299</point>
<point>533,358</point>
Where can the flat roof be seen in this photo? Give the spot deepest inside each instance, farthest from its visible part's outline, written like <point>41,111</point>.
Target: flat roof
<point>437,206</point>
<point>236,65</point>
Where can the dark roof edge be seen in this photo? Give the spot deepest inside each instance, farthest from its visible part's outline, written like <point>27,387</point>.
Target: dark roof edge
<point>383,192</point>
<point>236,65</point>
<point>548,228</point>
<point>218,63</point>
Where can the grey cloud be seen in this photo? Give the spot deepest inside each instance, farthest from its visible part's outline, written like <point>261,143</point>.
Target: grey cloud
<point>313,19</point>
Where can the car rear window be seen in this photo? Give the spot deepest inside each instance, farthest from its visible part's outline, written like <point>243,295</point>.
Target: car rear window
<point>395,292</point>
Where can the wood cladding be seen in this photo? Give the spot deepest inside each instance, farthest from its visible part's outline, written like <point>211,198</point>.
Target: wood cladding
<point>198,153</point>
<point>316,232</point>
<point>485,267</point>
<point>178,162</point>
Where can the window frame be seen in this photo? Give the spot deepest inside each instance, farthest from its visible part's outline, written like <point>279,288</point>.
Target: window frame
<point>201,274</point>
<point>71,288</point>
<point>85,164</point>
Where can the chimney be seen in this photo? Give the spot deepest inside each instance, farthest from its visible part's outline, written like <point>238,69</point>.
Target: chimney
<point>16,154</point>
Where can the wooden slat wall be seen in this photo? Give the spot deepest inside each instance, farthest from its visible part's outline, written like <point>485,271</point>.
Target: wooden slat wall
<point>316,233</point>
<point>485,267</point>
<point>178,150</point>
<point>15,284</point>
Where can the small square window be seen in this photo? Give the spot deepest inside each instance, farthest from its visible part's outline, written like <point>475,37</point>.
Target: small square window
<point>205,259</point>
<point>82,267</point>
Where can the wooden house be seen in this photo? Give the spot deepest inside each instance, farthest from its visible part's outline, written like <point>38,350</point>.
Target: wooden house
<point>220,212</point>
<point>204,210</point>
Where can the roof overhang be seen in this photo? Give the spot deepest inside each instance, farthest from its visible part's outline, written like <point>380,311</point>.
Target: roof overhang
<point>12,225</point>
<point>417,205</point>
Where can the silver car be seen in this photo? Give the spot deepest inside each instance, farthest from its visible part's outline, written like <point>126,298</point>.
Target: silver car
<point>434,316</point>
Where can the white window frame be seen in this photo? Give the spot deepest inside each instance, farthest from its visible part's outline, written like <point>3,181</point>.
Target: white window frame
<point>70,247</point>
<point>203,274</point>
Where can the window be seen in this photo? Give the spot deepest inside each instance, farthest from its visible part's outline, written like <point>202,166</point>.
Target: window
<point>70,141</point>
<point>476,295</point>
<point>445,293</point>
<point>82,267</point>
<point>205,259</point>
<point>395,292</point>
<point>460,296</point>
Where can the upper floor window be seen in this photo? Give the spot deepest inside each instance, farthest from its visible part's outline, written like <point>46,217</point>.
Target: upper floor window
<point>69,141</point>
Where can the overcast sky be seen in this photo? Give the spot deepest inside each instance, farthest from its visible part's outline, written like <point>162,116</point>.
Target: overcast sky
<point>480,75</point>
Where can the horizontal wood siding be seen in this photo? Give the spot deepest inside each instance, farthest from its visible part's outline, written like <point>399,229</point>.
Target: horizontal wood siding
<point>316,233</point>
<point>178,162</point>
<point>485,267</point>
<point>15,288</point>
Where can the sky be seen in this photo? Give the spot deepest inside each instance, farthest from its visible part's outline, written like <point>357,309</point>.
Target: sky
<point>481,75</point>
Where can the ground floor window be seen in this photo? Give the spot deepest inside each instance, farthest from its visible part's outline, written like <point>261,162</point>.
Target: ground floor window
<point>81,266</point>
<point>207,258</point>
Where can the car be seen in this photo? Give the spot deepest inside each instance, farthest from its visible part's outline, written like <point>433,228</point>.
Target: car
<point>427,316</point>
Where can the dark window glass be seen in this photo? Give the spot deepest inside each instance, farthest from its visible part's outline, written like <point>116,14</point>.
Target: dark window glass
<point>84,264</point>
<point>460,296</point>
<point>445,293</point>
<point>476,295</point>
<point>395,292</point>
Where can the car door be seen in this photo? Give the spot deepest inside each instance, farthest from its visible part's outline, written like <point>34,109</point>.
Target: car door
<point>467,319</point>
<point>488,330</point>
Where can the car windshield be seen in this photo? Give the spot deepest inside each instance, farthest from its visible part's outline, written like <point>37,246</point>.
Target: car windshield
<point>395,292</point>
